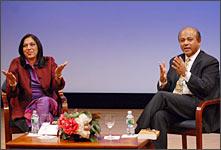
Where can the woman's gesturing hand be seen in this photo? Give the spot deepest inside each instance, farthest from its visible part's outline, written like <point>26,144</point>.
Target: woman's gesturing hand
<point>59,69</point>
<point>11,78</point>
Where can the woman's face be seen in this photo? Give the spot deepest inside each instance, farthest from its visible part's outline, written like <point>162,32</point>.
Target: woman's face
<point>30,49</point>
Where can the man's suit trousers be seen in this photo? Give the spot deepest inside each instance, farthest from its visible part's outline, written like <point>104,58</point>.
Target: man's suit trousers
<point>163,110</point>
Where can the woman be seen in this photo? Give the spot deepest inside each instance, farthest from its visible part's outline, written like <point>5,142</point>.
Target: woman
<point>32,82</point>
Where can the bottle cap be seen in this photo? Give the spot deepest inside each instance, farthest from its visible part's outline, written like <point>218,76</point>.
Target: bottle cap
<point>129,112</point>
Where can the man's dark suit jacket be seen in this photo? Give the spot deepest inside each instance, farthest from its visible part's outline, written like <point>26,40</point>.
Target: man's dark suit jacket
<point>204,84</point>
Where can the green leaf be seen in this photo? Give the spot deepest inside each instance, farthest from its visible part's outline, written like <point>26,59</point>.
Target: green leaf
<point>93,139</point>
<point>75,115</point>
<point>93,130</point>
<point>98,128</point>
<point>64,136</point>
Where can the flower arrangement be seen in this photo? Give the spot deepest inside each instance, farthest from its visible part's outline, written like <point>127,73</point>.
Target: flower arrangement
<point>79,126</point>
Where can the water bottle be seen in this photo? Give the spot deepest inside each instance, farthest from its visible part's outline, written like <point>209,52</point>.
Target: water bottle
<point>34,122</point>
<point>130,123</point>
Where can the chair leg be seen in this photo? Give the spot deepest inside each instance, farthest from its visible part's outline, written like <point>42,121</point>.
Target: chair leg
<point>184,141</point>
<point>199,144</point>
<point>8,132</point>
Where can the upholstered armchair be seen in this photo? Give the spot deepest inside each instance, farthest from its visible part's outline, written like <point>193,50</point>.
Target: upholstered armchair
<point>195,127</point>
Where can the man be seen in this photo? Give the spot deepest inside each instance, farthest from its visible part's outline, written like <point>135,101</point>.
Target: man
<point>192,77</point>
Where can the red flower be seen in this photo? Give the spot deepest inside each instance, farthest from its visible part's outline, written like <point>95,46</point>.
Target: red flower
<point>68,125</point>
<point>83,124</point>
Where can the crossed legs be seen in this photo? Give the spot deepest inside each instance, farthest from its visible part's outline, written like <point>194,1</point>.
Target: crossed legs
<point>164,109</point>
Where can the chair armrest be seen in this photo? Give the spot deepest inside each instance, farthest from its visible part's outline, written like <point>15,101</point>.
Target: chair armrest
<point>202,105</point>
<point>64,102</point>
<point>206,103</point>
<point>5,100</point>
<point>199,111</point>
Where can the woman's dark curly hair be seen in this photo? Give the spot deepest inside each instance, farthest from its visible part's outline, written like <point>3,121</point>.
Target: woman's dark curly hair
<point>40,57</point>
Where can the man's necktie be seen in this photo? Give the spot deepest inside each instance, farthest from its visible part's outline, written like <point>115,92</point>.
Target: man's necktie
<point>179,84</point>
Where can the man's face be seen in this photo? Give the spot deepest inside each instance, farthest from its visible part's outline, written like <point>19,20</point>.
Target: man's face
<point>189,42</point>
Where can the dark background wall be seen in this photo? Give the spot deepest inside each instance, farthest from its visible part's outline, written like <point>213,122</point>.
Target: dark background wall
<point>108,100</point>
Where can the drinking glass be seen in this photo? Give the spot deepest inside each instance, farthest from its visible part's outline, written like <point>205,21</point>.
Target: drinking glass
<point>109,122</point>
